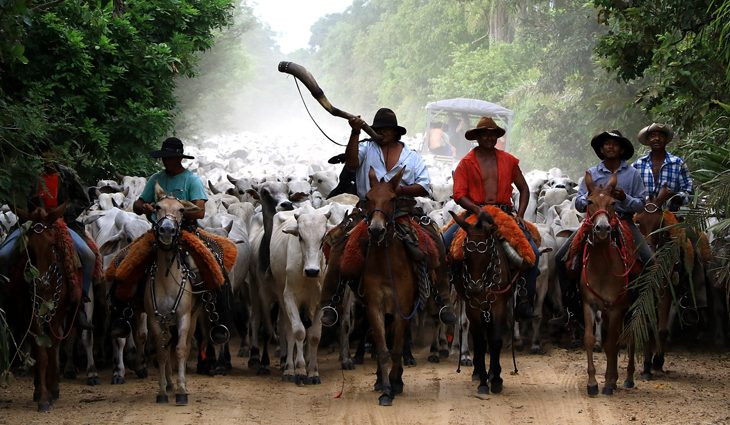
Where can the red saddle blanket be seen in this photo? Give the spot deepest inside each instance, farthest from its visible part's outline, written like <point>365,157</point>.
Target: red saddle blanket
<point>625,243</point>
<point>353,257</point>
<point>129,267</point>
<point>507,229</point>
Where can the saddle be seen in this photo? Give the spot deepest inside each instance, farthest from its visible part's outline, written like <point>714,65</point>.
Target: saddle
<point>129,267</point>
<point>420,246</point>
<point>507,229</point>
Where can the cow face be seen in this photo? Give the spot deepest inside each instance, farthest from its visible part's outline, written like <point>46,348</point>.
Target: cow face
<point>310,228</point>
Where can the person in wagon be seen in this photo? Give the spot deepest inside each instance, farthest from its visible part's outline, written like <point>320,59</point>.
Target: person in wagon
<point>387,156</point>
<point>613,149</point>
<point>181,183</point>
<point>485,177</point>
<point>57,185</point>
<point>661,168</point>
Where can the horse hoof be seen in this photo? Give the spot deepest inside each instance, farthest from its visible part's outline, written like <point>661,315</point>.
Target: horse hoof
<point>347,364</point>
<point>287,377</point>
<point>181,399</point>
<point>629,383</point>
<point>243,352</point>
<point>263,370</point>
<point>44,407</point>
<point>537,349</point>
<point>444,354</point>
<point>646,376</point>
<point>117,380</point>
<point>378,386</point>
<point>466,362</point>
<point>483,389</point>
<point>69,374</point>
<point>162,399</point>
<point>314,380</point>
<point>409,361</point>
<point>92,381</point>
<point>142,373</point>
<point>433,358</point>
<point>593,390</point>
<point>300,379</point>
<point>385,400</point>
<point>219,370</point>
<point>254,363</point>
<point>496,386</point>
<point>358,360</point>
<point>607,390</point>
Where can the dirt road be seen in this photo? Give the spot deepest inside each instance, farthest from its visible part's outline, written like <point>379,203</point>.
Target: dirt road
<point>550,389</point>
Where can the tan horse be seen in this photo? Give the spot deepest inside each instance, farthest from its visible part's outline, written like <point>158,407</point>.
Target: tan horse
<point>389,285</point>
<point>168,300</point>
<point>46,296</point>
<point>483,282</point>
<point>604,284</point>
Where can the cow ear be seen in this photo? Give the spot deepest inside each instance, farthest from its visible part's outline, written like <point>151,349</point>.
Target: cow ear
<point>98,192</point>
<point>372,176</point>
<point>109,247</point>
<point>229,227</point>
<point>298,197</point>
<point>126,192</point>
<point>254,194</point>
<point>291,229</point>
<point>159,191</point>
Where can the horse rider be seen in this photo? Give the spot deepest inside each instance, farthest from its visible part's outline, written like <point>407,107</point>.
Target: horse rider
<point>58,184</point>
<point>181,183</point>
<point>386,155</point>
<point>613,149</point>
<point>660,168</point>
<point>484,177</point>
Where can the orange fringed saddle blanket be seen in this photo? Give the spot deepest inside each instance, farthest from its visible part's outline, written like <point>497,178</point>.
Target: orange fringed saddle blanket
<point>680,233</point>
<point>130,265</point>
<point>507,229</point>
<point>353,257</point>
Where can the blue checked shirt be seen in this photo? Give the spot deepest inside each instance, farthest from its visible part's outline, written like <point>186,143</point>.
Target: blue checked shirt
<point>674,174</point>
<point>628,179</point>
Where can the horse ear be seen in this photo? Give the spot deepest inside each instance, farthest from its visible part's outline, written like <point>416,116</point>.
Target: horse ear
<point>612,181</point>
<point>22,214</point>
<point>159,191</point>
<point>373,178</point>
<point>664,194</point>
<point>588,180</point>
<point>460,221</point>
<point>395,181</point>
<point>56,213</point>
<point>189,206</point>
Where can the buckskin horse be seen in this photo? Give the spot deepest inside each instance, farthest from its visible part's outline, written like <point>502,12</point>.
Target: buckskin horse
<point>483,282</point>
<point>388,284</point>
<point>45,300</point>
<point>171,308</point>
<point>604,281</point>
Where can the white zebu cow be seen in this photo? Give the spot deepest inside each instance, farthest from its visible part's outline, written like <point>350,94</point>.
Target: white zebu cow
<point>323,181</point>
<point>107,201</point>
<point>549,197</point>
<point>297,265</point>
<point>240,188</point>
<point>535,179</point>
<point>134,186</point>
<point>7,220</point>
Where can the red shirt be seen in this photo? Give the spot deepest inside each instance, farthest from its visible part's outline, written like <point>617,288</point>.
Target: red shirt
<point>48,190</point>
<point>468,178</point>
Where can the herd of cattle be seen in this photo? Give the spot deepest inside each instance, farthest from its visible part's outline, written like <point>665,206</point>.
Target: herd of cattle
<point>283,203</point>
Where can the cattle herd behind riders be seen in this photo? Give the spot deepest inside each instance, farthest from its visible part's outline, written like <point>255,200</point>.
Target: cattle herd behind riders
<point>257,195</point>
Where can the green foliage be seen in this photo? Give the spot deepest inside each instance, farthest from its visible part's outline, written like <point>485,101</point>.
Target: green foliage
<point>94,82</point>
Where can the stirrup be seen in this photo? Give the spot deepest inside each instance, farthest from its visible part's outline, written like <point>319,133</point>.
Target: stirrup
<point>225,332</point>
<point>337,316</point>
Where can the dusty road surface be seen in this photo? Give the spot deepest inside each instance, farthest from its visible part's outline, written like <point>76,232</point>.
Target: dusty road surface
<point>550,389</point>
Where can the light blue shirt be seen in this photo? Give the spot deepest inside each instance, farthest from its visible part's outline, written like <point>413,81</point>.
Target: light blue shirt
<point>185,186</point>
<point>370,155</point>
<point>628,179</point>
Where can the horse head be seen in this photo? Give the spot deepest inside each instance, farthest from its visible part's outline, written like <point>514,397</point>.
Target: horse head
<point>651,219</point>
<point>42,235</point>
<point>481,253</point>
<point>601,213</point>
<point>170,212</point>
<point>380,205</point>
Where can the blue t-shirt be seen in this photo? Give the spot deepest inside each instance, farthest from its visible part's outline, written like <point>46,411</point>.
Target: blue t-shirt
<point>185,186</point>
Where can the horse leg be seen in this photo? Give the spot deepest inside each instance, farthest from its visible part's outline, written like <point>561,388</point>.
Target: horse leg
<point>345,330</point>
<point>87,339</point>
<point>41,373</point>
<point>377,326</point>
<point>118,353</point>
<point>610,347</point>
<point>631,367</point>
<point>480,352</point>
<point>163,358</point>
<point>139,335</point>
<point>314,334</point>
<point>181,353</point>
<point>433,356</point>
<point>541,292</point>
<point>407,354</point>
<point>597,346</point>
<point>400,333</point>
<point>588,341</point>
<point>663,327</point>
<point>494,333</point>
<point>465,358</point>
<point>69,370</point>
<point>53,378</point>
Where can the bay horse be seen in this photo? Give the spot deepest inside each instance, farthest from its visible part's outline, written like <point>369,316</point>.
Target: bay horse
<point>482,280</point>
<point>169,303</point>
<point>389,284</point>
<point>45,299</point>
<point>604,283</point>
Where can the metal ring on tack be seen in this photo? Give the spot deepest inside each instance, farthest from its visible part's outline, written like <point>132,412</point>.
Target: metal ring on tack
<point>651,207</point>
<point>337,316</point>
<point>225,329</point>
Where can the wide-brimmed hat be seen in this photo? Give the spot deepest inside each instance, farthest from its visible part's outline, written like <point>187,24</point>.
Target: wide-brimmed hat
<point>385,118</point>
<point>484,124</point>
<point>172,147</point>
<point>662,128</point>
<point>598,140</point>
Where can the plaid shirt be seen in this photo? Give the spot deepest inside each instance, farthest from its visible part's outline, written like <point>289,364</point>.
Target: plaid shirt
<point>673,173</point>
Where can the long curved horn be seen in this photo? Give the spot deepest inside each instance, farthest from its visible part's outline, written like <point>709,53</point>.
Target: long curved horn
<point>301,73</point>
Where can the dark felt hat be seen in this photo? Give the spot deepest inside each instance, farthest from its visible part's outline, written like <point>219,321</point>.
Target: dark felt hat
<point>172,147</point>
<point>597,143</point>
<point>385,118</point>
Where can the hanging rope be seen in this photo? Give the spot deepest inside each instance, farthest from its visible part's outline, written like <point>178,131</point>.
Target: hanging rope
<point>312,118</point>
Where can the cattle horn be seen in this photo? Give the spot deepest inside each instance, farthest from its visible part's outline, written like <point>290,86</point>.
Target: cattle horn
<point>212,188</point>
<point>299,72</point>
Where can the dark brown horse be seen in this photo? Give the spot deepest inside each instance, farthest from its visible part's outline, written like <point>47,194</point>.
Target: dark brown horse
<point>388,283</point>
<point>604,283</point>
<point>43,300</point>
<point>483,282</point>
